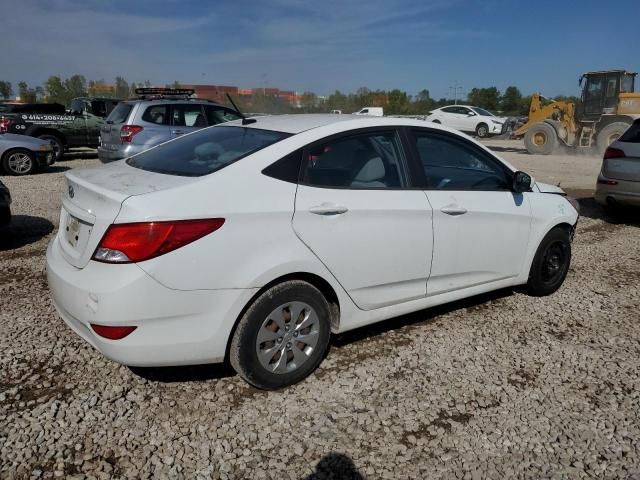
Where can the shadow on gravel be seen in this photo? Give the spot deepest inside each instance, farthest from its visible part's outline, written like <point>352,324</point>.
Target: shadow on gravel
<point>616,216</point>
<point>23,230</point>
<point>75,155</point>
<point>53,169</point>
<point>420,317</point>
<point>335,466</point>
<point>190,373</point>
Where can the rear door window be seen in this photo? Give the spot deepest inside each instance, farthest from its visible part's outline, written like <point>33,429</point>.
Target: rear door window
<point>205,151</point>
<point>158,114</point>
<point>120,113</point>
<point>216,114</point>
<point>188,115</point>
<point>632,135</point>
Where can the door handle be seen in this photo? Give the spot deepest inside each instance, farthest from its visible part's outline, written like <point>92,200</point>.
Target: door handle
<point>177,132</point>
<point>328,209</point>
<point>453,210</point>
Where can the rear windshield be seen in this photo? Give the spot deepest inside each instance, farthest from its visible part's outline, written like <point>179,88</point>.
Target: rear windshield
<point>205,151</point>
<point>120,113</point>
<point>633,134</point>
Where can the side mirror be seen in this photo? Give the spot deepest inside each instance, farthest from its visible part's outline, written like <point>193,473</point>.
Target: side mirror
<point>471,114</point>
<point>521,182</point>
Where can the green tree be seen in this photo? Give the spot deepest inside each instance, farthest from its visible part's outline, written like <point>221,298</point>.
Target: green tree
<point>488,98</point>
<point>397,103</point>
<point>132,89</point>
<point>27,95</point>
<point>423,103</point>
<point>56,90</point>
<point>309,102</point>
<point>511,102</point>
<point>76,86</point>
<point>122,88</point>
<point>6,91</point>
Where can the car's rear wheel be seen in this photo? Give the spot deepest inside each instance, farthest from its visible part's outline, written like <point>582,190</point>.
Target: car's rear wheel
<point>19,162</point>
<point>282,337</point>
<point>56,143</point>
<point>551,263</point>
<point>482,130</point>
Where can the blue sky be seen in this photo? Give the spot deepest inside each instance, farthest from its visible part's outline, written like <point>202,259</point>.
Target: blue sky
<point>325,45</point>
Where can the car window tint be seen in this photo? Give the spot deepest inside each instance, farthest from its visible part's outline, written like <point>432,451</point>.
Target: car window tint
<point>286,169</point>
<point>216,115</point>
<point>120,113</point>
<point>188,115</point>
<point>455,164</point>
<point>158,114</point>
<point>632,135</point>
<point>449,109</point>
<point>99,108</point>
<point>362,161</point>
<point>205,151</point>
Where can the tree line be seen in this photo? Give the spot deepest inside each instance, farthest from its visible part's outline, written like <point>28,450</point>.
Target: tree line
<point>395,102</point>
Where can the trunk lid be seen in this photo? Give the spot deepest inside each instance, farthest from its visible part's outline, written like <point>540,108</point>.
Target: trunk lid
<point>92,200</point>
<point>110,131</point>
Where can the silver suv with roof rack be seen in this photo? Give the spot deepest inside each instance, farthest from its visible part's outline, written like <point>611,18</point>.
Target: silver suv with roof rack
<point>158,115</point>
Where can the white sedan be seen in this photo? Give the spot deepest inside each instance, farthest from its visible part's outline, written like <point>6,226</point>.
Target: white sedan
<point>255,240</point>
<point>468,119</point>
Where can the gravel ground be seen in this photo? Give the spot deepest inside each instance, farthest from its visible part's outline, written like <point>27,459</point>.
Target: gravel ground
<point>498,386</point>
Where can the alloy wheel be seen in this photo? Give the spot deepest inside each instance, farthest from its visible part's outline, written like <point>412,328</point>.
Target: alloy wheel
<point>287,337</point>
<point>19,163</point>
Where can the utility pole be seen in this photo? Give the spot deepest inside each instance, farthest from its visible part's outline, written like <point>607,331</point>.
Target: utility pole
<point>455,87</point>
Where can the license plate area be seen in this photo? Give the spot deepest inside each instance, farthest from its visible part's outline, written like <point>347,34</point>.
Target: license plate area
<point>76,232</point>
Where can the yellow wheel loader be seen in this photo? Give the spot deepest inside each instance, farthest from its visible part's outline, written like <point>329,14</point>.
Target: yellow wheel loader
<point>607,107</point>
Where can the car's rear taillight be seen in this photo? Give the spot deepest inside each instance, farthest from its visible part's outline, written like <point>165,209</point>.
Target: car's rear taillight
<point>5,123</point>
<point>136,242</point>
<point>112,333</point>
<point>604,181</point>
<point>127,132</point>
<point>611,152</point>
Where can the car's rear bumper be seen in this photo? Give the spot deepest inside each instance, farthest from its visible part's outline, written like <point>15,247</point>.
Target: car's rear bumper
<point>174,327</point>
<point>623,192</point>
<point>110,153</point>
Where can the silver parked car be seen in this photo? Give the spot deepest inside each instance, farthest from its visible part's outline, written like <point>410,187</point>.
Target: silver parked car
<point>619,179</point>
<point>161,114</point>
<point>22,155</point>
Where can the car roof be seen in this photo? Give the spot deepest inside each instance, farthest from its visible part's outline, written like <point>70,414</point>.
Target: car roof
<point>302,122</point>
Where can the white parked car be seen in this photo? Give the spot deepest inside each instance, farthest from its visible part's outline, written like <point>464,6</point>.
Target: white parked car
<point>619,179</point>
<point>468,119</point>
<point>254,242</point>
<point>371,111</point>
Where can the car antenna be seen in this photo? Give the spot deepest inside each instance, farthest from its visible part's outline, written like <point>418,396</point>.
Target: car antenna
<point>245,120</point>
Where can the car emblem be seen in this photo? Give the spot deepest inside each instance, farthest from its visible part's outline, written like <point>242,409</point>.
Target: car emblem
<point>71,192</point>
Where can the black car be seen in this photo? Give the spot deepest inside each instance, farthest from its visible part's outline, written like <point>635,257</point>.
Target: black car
<point>5,204</point>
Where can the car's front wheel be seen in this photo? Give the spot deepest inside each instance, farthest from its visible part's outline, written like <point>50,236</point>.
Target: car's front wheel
<point>19,162</point>
<point>282,337</point>
<point>482,130</point>
<point>551,263</point>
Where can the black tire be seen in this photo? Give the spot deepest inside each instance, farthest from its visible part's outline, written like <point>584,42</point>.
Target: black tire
<point>5,216</point>
<point>58,146</point>
<point>550,264</point>
<point>540,139</point>
<point>243,352</point>
<point>19,161</point>
<point>610,134</point>
<point>482,130</point>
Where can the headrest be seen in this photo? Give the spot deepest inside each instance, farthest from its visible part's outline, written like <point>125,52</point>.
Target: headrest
<point>371,171</point>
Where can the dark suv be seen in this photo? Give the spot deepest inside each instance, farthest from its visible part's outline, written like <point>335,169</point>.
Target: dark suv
<point>159,115</point>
